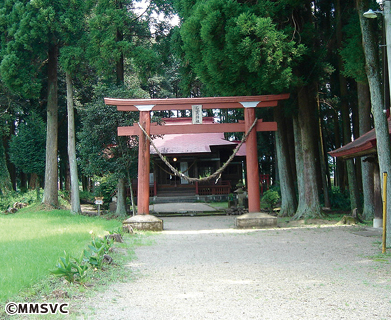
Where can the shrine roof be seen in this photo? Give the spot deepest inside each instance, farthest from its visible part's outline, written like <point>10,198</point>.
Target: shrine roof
<point>196,143</point>
<point>362,146</point>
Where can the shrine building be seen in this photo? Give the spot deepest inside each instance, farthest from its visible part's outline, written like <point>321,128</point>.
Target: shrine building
<point>195,155</point>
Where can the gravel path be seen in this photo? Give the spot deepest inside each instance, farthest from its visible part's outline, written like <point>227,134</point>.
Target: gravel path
<point>202,268</point>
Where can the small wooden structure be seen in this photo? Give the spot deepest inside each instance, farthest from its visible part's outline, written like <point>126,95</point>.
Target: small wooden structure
<point>145,106</point>
<point>365,146</point>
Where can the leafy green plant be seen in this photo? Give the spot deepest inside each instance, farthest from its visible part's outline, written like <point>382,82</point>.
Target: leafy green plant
<point>271,197</point>
<point>97,249</point>
<point>118,230</point>
<point>75,269</point>
<point>94,257</point>
<point>87,196</point>
<point>82,267</point>
<point>72,269</point>
<point>105,187</point>
<point>28,197</point>
<point>102,244</point>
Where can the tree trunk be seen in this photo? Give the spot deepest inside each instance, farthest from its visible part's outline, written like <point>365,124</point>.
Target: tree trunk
<point>121,198</point>
<point>380,119</point>
<point>75,196</point>
<point>288,194</point>
<point>33,183</point>
<point>51,168</point>
<point>311,206</point>
<point>5,179</point>
<point>346,123</point>
<point>67,177</point>
<point>323,162</point>
<point>299,164</point>
<point>377,192</point>
<point>131,191</point>
<point>367,167</point>
<point>340,164</point>
<point>10,166</point>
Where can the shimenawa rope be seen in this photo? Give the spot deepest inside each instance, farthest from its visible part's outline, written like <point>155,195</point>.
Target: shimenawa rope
<point>213,175</point>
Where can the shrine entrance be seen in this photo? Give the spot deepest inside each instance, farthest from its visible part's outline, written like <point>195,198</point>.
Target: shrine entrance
<point>145,129</point>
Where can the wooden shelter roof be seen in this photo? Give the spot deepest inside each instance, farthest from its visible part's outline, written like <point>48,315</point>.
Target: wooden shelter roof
<point>362,146</point>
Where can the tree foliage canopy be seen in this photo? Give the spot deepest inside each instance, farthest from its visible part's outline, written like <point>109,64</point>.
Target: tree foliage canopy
<point>27,148</point>
<point>235,51</point>
<point>101,150</point>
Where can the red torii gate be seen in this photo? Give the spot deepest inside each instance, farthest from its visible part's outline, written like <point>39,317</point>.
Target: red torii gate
<point>145,106</point>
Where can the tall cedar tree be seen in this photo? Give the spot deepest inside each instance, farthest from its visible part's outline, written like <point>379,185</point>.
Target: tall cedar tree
<point>114,34</point>
<point>120,44</point>
<point>32,34</point>
<point>237,48</point>
<point>352,55</point>
<point>377,101</point>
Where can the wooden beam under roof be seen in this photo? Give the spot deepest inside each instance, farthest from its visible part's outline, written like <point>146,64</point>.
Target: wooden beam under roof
<point>198,128</point>
<point>186,103</point>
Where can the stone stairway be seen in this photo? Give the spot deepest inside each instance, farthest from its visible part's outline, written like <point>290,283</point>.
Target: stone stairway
<point>174,199</point>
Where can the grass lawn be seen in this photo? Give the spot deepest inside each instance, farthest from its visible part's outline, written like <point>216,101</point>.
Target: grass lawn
<point>32,240</point>
<point>219,204</point>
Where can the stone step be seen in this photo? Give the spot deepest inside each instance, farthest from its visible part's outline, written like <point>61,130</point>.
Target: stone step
<point>180,199</point>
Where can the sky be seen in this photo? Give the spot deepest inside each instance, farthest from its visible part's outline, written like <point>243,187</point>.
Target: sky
<point>140,8</point>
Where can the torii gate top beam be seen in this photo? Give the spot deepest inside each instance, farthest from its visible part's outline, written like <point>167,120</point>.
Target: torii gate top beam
<point>186,103</point>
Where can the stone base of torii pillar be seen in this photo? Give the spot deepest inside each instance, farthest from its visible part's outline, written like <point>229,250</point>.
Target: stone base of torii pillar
<point>143,222</point>
<point>255,220</point>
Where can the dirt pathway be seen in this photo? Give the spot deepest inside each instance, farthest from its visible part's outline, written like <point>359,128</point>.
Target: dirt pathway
<point>202,268</point>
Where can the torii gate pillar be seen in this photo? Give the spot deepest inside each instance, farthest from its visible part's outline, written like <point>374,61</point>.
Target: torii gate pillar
<point>143,165</point>
<point>254,218</point>
<point>254,202</point>
<point>143,220</point>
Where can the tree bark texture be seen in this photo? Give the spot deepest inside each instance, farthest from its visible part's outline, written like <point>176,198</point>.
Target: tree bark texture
<point>364,110</point>
<point>346,124</point>
<point>5,179</point>
<point>311,206</point>
<point>10,166</point>
<point>340,164</point>
<point>288,194</point>
<point>75,195</point>
<point>299,164</point>
<point>323,163</point>
<point>51,166</point>
<point>380,119</point>
<point>121,198</point>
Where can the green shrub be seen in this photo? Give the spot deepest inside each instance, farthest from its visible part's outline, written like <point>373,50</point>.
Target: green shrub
<point>106,188</point>
<point>87,196</point>
<point>28,197</point>
<point>271,197</point>
<point>339,200</point>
